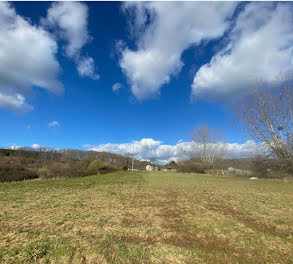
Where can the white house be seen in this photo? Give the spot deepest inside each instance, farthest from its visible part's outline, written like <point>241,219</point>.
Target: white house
<point>149,168</point>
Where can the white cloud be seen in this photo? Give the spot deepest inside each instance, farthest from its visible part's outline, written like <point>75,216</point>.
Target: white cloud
<point>163,31</point>
<point>87,146</point>
<point>14,146</point>
<point>86,67</point>
<point>54,124</point>
<point>35,146</point>
<point>69,20</point>
<point>117,86</point>
<point>27,58</point>
<point>260,46</point>
<point>143,148</point>
<point>148,148</point>
<point>14,102</point>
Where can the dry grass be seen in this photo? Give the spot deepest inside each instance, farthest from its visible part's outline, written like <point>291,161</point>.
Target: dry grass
<point>146,217</point>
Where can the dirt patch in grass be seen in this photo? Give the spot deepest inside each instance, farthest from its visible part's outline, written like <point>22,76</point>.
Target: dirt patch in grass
<point>249,221</point>
<point>173,215</point>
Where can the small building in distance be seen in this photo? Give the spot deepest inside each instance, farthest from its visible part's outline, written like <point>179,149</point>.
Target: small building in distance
<point>149,168</point>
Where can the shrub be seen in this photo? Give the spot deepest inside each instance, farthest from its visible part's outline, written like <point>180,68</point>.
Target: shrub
<point>9,172</point>
<point>98,167</point>
<point>107,168</point>
<point>16,169</point>
<point>63,170</point>
<point>94,167</point>
<point>190,166</point>
<point>264,167</point>
<point>45,173</point>
<point>81,167</point>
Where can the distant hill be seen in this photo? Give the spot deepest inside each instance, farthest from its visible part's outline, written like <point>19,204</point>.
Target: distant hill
<point>44,153</point>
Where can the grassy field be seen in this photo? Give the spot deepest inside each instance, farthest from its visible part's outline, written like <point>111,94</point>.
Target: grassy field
<point>146,217</point>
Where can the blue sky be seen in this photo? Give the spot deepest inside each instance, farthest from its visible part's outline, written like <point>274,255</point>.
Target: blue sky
<point>178,65</point>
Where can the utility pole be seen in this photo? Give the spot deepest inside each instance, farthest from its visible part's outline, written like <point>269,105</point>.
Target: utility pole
<point>132,155</point>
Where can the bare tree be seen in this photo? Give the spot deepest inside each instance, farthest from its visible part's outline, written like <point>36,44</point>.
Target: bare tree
<point>153,161</point>
<point>209,145</point>
<point>266,114</point>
